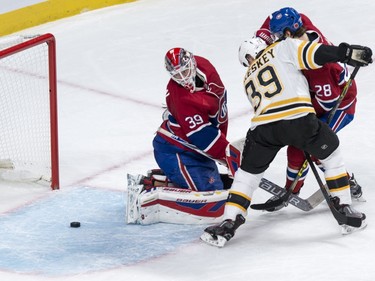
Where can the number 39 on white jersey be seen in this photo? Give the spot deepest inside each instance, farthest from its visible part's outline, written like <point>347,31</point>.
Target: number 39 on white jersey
<point>275,85</point>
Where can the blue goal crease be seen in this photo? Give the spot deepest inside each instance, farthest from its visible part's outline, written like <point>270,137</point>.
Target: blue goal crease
<point>38,238</point>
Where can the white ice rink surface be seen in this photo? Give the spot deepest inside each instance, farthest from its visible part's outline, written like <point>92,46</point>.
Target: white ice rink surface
<point>111,83</point>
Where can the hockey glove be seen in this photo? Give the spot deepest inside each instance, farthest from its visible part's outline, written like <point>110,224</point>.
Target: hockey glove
<point>233,159</point>
<point>264,34</point>
<point>355,55</point>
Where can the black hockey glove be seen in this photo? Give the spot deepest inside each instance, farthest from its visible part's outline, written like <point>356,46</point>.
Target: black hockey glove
<point>355,55</point>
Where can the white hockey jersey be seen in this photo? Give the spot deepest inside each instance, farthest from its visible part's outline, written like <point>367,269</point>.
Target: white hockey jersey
<point>275,85</point>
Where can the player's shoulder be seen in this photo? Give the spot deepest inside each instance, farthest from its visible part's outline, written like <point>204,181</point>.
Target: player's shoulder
<point>281,46</point>
<point>308,24</point>
<point>203,60</point>
<point>208,73</point>
<point>312,29</point>
<point>204,64</point>
<point>297,43</point>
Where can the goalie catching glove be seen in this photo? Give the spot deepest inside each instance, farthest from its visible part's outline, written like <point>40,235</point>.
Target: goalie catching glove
<point>355,55</point>
<point>233,159</point>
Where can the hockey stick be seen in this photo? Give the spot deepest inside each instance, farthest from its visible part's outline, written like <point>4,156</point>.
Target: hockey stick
<point>303,204</point>
<point>341,218</point>
<point>341,97</point>
<point>189,145</point>
<point>285,197</point>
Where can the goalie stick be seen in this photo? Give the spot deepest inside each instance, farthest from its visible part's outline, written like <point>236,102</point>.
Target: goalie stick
<point>189,145</point>
<point>273,204</point>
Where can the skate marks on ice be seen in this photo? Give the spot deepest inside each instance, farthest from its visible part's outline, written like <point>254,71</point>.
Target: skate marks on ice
<point>38,239</point>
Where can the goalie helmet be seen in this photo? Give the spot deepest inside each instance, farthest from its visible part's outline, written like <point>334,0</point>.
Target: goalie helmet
<point>284,19</point>
<point>252,47</point>
<point>182,67</point>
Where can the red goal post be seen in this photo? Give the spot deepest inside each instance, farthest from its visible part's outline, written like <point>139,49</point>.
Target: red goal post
<point>28,107</point>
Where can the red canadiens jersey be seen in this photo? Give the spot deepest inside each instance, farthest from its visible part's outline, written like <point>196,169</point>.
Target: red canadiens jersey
<point>201,117</point>
<point>326,84</point>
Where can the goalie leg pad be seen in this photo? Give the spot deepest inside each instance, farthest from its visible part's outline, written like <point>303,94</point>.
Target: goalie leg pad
<point>132,206</point>
<point>181,206</point>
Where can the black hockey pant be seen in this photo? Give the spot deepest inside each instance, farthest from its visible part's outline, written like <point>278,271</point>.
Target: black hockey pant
<point>307,133</point>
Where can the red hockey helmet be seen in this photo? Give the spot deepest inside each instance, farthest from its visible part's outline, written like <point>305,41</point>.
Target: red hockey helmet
<point>182,66</point>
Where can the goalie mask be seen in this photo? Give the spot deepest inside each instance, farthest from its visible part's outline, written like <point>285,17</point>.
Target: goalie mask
<point>252,48</point>
<point>181,65</point>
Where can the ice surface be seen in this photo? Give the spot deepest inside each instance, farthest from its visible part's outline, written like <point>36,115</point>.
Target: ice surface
<point>111,87</point>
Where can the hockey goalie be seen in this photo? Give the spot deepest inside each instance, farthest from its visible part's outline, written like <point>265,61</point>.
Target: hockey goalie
<point>190,141</point>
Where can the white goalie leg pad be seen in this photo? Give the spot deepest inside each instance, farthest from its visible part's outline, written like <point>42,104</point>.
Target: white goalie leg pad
<point>132,206</point>
<point>150,213</point>
<point>181,206</point>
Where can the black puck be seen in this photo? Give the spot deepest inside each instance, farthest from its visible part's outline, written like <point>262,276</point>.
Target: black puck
<point>75,224</point>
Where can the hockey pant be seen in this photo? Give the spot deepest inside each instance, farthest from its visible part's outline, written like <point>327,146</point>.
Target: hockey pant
<point>296,157</point>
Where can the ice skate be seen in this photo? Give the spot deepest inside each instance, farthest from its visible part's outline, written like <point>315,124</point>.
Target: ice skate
<point>349,211</point>
<point>356,190</point>
<point>218,235</point>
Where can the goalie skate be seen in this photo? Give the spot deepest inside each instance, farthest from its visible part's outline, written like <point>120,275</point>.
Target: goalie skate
<point>218,241</point>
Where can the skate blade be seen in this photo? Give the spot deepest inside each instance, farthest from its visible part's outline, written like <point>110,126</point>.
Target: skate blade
<point>219,242</point>
<point>360,199</point>
<point>347,229</point>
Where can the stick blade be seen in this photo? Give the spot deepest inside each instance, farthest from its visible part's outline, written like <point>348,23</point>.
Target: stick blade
<point>350,221</point>
<point>271,204</point>
<point>347,229</point>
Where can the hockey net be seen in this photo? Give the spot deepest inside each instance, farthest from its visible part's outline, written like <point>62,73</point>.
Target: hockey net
<point>28,109</point>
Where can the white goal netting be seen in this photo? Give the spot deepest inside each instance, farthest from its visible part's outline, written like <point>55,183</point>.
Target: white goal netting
<point>26,152</point>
